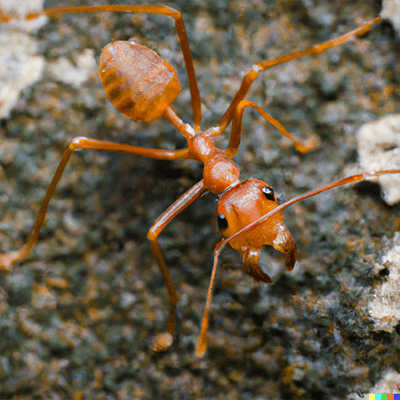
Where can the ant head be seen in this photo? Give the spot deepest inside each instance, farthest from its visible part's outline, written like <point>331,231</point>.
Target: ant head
<point>243,204</point>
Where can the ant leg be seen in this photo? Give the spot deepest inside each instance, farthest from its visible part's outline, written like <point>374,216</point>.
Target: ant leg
<point>236,130</point>
<point>6,260</point>
<point>202,343</point>
<point>164,340</point>
<point>251,76</point>
<point>163,10</point>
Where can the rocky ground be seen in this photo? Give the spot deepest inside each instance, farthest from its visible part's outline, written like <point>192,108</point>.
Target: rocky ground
<point>77,315</point>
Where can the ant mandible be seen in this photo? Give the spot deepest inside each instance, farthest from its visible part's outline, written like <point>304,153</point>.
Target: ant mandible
<point>142,86</point>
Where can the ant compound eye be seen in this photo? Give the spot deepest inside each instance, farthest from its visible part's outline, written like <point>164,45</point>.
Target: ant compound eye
<point>269,193</point>
<point>222,222</point>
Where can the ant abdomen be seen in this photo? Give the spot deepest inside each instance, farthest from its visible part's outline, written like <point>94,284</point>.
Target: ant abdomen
<point>137,81</point>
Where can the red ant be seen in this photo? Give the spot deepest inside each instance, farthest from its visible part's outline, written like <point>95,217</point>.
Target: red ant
<point>142,86</point>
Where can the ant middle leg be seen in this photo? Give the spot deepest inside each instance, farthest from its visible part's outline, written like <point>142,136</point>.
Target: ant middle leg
<point>252,75</point>
<point>236,131</point>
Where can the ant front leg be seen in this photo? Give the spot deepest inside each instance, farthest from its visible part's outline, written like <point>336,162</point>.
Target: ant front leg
<point>6,260</point>
<point>164,340</point>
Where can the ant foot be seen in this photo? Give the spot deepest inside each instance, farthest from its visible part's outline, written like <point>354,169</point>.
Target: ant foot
<point>162,342</point>
<point>6,260</point>
<point>310,144</point>
<point>202,345</point>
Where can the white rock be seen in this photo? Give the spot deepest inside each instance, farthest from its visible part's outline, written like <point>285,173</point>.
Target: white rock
<point>384,308</point>
<point>379,149</point>
<point>391,11</point>
<point>20,66</point>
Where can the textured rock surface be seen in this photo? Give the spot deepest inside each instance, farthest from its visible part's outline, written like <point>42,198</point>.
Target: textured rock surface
<point>379,148</point>
<point>77,315</point>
